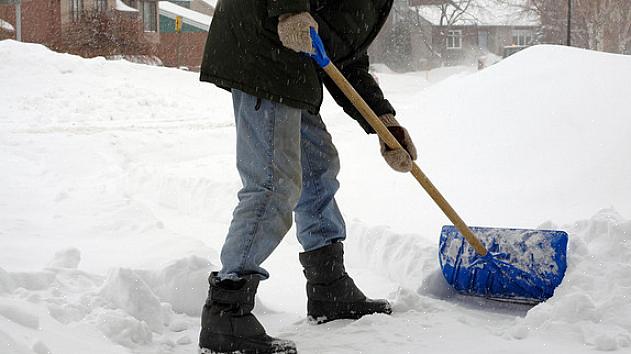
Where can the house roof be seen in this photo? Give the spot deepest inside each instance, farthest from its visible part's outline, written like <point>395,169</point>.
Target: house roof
<point>189,16</point>
<point>212,3</point>
<point>121,6</point>
<point>481,13</point>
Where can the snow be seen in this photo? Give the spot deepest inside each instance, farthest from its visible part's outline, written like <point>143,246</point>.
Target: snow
<point>67,258</point>
<point>121,6</point>
<point>189,16</point>
<point>19,316</point>
<point>212,3</point>
<point>117,197</point>
<point>125,290</point>
<point>6,26</point>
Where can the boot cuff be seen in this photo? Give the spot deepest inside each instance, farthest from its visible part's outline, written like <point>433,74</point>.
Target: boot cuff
<point>324,265</point>
<point>322,255</point>
<point>233,292</point>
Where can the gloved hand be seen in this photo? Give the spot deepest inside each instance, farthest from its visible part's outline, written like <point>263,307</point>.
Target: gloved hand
<point>293,31</point>
<point>401,159</point>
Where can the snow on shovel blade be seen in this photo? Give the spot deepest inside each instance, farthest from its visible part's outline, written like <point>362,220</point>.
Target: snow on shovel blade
<point>520,266</point>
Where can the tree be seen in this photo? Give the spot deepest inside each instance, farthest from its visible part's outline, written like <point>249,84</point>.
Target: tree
<point>105,33</point>
<point>623,20</point>
<point>451,12</point>
<point>603,25</point>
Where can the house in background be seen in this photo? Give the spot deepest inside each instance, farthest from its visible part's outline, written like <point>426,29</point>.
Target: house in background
<point>423,34</point>
<point>41,21</point>
<point>192,21</point>
<point>6,26</point>
<point>187,47</point>
<point>57,23</point>
<point>139,30</point>
<point>206,7</point>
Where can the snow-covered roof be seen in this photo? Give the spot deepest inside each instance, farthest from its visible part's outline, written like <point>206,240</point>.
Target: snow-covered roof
<point>481,13</point>
<point>6,26</point>
<point>189,16</point>
<point>212,3</point>
<point>121,6</point>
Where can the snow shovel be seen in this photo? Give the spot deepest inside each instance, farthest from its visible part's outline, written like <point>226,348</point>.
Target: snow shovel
<point>516,265</point>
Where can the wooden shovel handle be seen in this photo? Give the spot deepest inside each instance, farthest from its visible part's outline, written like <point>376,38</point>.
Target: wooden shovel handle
<point>393,143</point>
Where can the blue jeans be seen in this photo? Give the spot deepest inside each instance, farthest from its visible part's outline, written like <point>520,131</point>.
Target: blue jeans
<point>287,162</point>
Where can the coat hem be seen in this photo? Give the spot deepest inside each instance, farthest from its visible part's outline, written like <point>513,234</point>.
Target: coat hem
<point>228,84</point>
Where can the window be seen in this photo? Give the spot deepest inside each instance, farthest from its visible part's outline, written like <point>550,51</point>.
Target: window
<point>149,15</point>
<point>76,8</point>
<point>101,5</point>
<point>522,37</point>
<point>454,39</point>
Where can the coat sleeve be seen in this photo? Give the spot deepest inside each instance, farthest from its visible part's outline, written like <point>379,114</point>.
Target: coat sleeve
<point>356,72</point>
<point>276,8</point>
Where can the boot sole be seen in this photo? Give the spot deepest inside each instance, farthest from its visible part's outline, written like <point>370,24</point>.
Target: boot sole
<point>344,311</point>
<point>224,344</point>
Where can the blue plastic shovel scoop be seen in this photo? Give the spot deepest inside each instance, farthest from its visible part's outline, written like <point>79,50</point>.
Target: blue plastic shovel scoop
<point>520,265</point>
<point>503,264</point>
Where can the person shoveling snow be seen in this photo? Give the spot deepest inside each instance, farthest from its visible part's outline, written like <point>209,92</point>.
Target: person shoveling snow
<point>286,158</point>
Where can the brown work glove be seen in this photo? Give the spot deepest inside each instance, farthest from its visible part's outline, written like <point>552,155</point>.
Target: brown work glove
<point>400,159</point>
<point>293,31</point>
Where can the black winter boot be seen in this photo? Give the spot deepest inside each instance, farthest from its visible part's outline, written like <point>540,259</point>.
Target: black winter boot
<point>228,326</point>
<point>331,293</point>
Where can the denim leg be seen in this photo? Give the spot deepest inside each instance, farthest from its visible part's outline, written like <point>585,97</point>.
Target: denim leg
<point>268,160</point>
<point>318,219</point>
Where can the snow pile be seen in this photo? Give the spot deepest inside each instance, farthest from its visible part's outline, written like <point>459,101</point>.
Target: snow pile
<point>70,93</point>
<point>121,328</point>
<point>130,307</point>
<point>125,290</point>
<point>541,135</point>
<point>68,258</point>
<point>594,299</point>
<point>183,284</point>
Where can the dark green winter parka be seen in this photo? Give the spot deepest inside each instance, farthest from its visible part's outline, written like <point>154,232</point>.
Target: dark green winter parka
<point>243,51</point>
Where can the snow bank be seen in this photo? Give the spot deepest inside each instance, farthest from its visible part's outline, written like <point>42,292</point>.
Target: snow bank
<point>125,91</point>
<point>594,299</point>
<point>541,135</point>
<point>131,307</point>
<point>550,124</point>
<point>405,258</point>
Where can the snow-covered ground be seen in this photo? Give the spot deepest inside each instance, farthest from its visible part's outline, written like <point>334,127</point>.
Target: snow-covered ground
<point>118,184</point>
